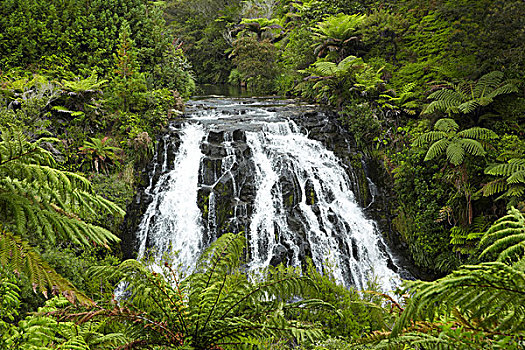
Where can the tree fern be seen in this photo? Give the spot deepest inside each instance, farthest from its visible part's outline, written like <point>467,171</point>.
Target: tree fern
<point>336,32</point>
<point>216,305</point>
<point>468,97</point>
<point>446,139</point>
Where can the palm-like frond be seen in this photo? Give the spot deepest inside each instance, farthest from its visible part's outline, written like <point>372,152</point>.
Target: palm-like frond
<point>489,297</point>
<point>478,133</point>
<point>340,27</point>
<point>455,153</point>
<point>17,255</point>
<point>513,173</point>
<point>506,238</point>
<point>36,197</point>
<point>89,84</point>
<point>40,202</point>
<point>437,148</point>
<point>446,100</point>
<point>446,139</point>
<point>494,187</point>
<point>467,97</point>
<point>218,304</point>
<point>42,331</point>
<point>471,146</point>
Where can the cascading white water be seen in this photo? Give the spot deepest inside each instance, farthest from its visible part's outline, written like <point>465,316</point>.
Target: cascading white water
<point>334,230</point>
<point>337,231</point>
<point>172,222</point>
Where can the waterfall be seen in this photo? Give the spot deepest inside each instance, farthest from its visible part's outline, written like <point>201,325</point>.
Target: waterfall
<point>172,222</point>
<point>244,166</point>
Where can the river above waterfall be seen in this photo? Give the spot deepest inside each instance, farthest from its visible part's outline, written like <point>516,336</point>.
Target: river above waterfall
<point>251,166</point>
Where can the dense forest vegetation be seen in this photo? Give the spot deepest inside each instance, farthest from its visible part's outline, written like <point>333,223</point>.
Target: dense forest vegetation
<point>434,90</point>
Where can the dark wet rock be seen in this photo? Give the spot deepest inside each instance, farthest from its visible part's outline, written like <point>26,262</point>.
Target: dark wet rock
<point>216,136</point>
<point>279,255</point>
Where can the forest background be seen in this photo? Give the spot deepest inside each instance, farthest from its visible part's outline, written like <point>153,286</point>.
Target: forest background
<point>433,90</point>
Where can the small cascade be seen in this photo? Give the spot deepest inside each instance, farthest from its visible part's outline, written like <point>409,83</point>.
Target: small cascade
<point>245,166</point>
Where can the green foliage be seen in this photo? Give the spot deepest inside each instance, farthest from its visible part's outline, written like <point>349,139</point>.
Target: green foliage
<point>506,238</point>
<point>256,62</point>
<point>401,101</point>
<point>445,138</point>
<point>100,153</point>
<point>358,312</point>
<point>513,182</point>
<point>217,304</point>
<point>338,34</point>
<point>38,198</point>
<point>298,52</point>
<point>335,82</point>
<point>467,97</point>
<point>41,202</point>
<point>264,28</point>
<point>19,256</point>
<point>84,34</point>
<point>41,331</point>
<point>486,298</point>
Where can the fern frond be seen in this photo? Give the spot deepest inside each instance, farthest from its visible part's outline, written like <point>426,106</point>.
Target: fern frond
<point>19,256</point>
<point>505,169</point>
<point>505,236</point>
<point>218,304</point>
<point>478,133</point>
<point>455,153</point>
<point>517,177</point>
<point>437,148</point>
<point>503,90</point>
<point>429,137</point>
<point>349,62</point>
<point>325,69</point>
<point>470,106</point>
<point>446,125</point>
<point>472,147</point>
<point>36,197</point>
<point>488,293</point>
<point>445,100</point>
<point>494,187</point>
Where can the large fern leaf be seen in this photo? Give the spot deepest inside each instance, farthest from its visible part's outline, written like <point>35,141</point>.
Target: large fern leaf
<point>490,295</point>
<point>36,197</point>
<point>506,238</point>
<point>478,133</point>
<point>18,255</point>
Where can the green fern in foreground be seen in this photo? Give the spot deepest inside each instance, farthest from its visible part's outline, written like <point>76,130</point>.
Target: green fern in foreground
<point>217,305</point>
<point>41,331</point>
<point>39,202</point>
<point>506,239</point>
<point>475,307</point>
